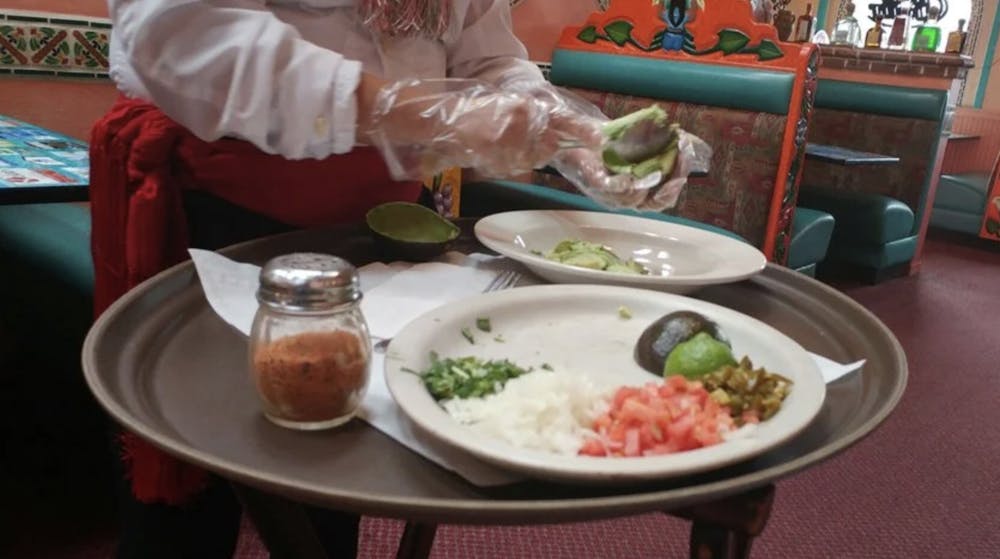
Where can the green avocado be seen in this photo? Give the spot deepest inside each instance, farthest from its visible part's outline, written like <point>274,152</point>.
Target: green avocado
<point>411,223</point>
<point>698,356</point>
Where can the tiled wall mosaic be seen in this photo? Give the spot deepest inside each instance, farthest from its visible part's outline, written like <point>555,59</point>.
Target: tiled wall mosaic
<point>33,43</point>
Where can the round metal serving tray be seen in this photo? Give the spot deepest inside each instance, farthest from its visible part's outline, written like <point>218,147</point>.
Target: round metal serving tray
<point>166,367</point>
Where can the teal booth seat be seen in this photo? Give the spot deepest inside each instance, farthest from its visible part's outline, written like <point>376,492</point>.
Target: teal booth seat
<point>58,434</point>
<point>960,202</point>
<point>760,90</point>
<point>48,276</point>
<point>873,231</point>
<point>878,208</point>
<point>812,231</point>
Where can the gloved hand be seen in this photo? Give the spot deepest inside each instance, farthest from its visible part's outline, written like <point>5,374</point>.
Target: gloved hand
<point>586,170</point>
<point>422,127</point>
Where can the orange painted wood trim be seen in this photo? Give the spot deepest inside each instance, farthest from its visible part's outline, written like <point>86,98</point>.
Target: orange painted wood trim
<point>775,222</point>
<point>992,211</point>
<point>925,221</point>
<point>644,18</point>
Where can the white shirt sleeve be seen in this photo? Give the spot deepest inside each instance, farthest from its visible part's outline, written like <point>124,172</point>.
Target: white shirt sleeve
<point>231,68</point>
<point>488,50</point>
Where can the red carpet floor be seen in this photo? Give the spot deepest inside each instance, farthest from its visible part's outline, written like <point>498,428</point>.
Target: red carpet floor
<point>925,485</point>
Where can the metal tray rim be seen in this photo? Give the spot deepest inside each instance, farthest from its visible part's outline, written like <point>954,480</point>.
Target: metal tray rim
<point>497,510</point>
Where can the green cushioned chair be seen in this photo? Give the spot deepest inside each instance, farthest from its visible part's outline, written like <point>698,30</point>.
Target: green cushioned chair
<point>811,234</point>
<point>878,208</point>
<point>872,231</point>
<point>960,201</point>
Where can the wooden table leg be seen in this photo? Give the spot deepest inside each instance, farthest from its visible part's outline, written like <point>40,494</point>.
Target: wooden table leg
<point>417,540</point>
<point>283,525</point>
<point>725,529</point>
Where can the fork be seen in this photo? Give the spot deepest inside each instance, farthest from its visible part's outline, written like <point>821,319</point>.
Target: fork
<point>504,280</point>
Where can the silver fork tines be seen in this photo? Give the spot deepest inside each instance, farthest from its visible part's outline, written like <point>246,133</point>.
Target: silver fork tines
<point>505,279</point>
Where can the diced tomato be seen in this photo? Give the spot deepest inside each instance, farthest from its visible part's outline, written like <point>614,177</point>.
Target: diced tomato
<point>632,442</point>
<point>681,426</point>
<point>633,411</point>
<point>602,423</point>
<point>616,433</point>
<point>593,447</point>
<point>623,393</point>
<point>659,418</point>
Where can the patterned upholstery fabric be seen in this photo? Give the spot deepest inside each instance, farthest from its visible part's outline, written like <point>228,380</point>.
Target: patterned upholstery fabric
<point>909,139</point>
<point>747,146</point>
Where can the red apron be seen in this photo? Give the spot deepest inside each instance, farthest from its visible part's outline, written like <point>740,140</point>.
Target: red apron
<point>140,161</point>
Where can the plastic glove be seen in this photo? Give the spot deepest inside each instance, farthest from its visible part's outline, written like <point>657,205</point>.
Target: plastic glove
<point>423,127</point>
<point>585,169</point>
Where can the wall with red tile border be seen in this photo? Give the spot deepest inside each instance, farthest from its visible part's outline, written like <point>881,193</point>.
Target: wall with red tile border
<point>45,44</point>
<point>53,66</point>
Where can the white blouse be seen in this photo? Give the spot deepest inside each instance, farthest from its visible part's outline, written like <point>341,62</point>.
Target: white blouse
<point>283,74</point>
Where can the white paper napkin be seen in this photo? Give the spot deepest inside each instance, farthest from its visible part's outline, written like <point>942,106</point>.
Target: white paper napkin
<point>832,370</point>
<point>395,294</point>
<point>423,287</point>
<point>230,287</point>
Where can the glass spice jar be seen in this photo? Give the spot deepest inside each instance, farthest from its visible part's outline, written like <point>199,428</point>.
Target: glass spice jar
<point>310,351</point>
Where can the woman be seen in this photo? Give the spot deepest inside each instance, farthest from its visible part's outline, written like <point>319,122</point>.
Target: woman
<point>266,106</point>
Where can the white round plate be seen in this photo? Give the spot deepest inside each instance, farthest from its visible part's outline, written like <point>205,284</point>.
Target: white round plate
<point>680,258</point>
<point>577,328</point>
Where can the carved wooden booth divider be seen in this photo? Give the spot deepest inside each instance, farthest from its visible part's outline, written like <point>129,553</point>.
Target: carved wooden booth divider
<point>724,78</point>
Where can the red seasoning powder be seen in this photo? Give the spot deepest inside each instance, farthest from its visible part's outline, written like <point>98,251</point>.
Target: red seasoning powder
<point>311,377</point>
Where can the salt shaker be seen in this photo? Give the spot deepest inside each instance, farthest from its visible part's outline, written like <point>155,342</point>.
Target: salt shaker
<point>310,351</point>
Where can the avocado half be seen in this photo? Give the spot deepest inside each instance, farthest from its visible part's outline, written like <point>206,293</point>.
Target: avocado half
<point>408,231</point>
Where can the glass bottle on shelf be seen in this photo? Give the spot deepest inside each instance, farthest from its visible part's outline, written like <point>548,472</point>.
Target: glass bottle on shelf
<point>804,26</point>
<point>847,31</point>
<point>899,35</point>
<point>956,39</point>
<point>928,35</point>
<point>873,39</point>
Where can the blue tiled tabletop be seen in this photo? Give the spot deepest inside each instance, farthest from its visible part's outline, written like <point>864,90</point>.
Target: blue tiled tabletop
<point>39,165</point>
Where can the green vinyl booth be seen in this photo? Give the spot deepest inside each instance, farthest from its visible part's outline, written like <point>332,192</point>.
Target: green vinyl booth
<point>961,201</point>
<point>878,208</point>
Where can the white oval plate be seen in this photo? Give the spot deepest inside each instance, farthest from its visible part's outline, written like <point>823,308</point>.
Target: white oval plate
<point>680,258</point>
<point>577,328</point>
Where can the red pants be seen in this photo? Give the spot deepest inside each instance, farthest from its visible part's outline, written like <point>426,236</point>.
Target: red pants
<point>140,163</point>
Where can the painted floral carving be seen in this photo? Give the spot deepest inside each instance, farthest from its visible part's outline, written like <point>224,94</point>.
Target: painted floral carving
<point>675,36</point>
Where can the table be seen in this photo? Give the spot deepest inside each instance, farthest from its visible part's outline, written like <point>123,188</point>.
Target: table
<point>166,367</point>
<point>849,157</point>
<point>41,166</point>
